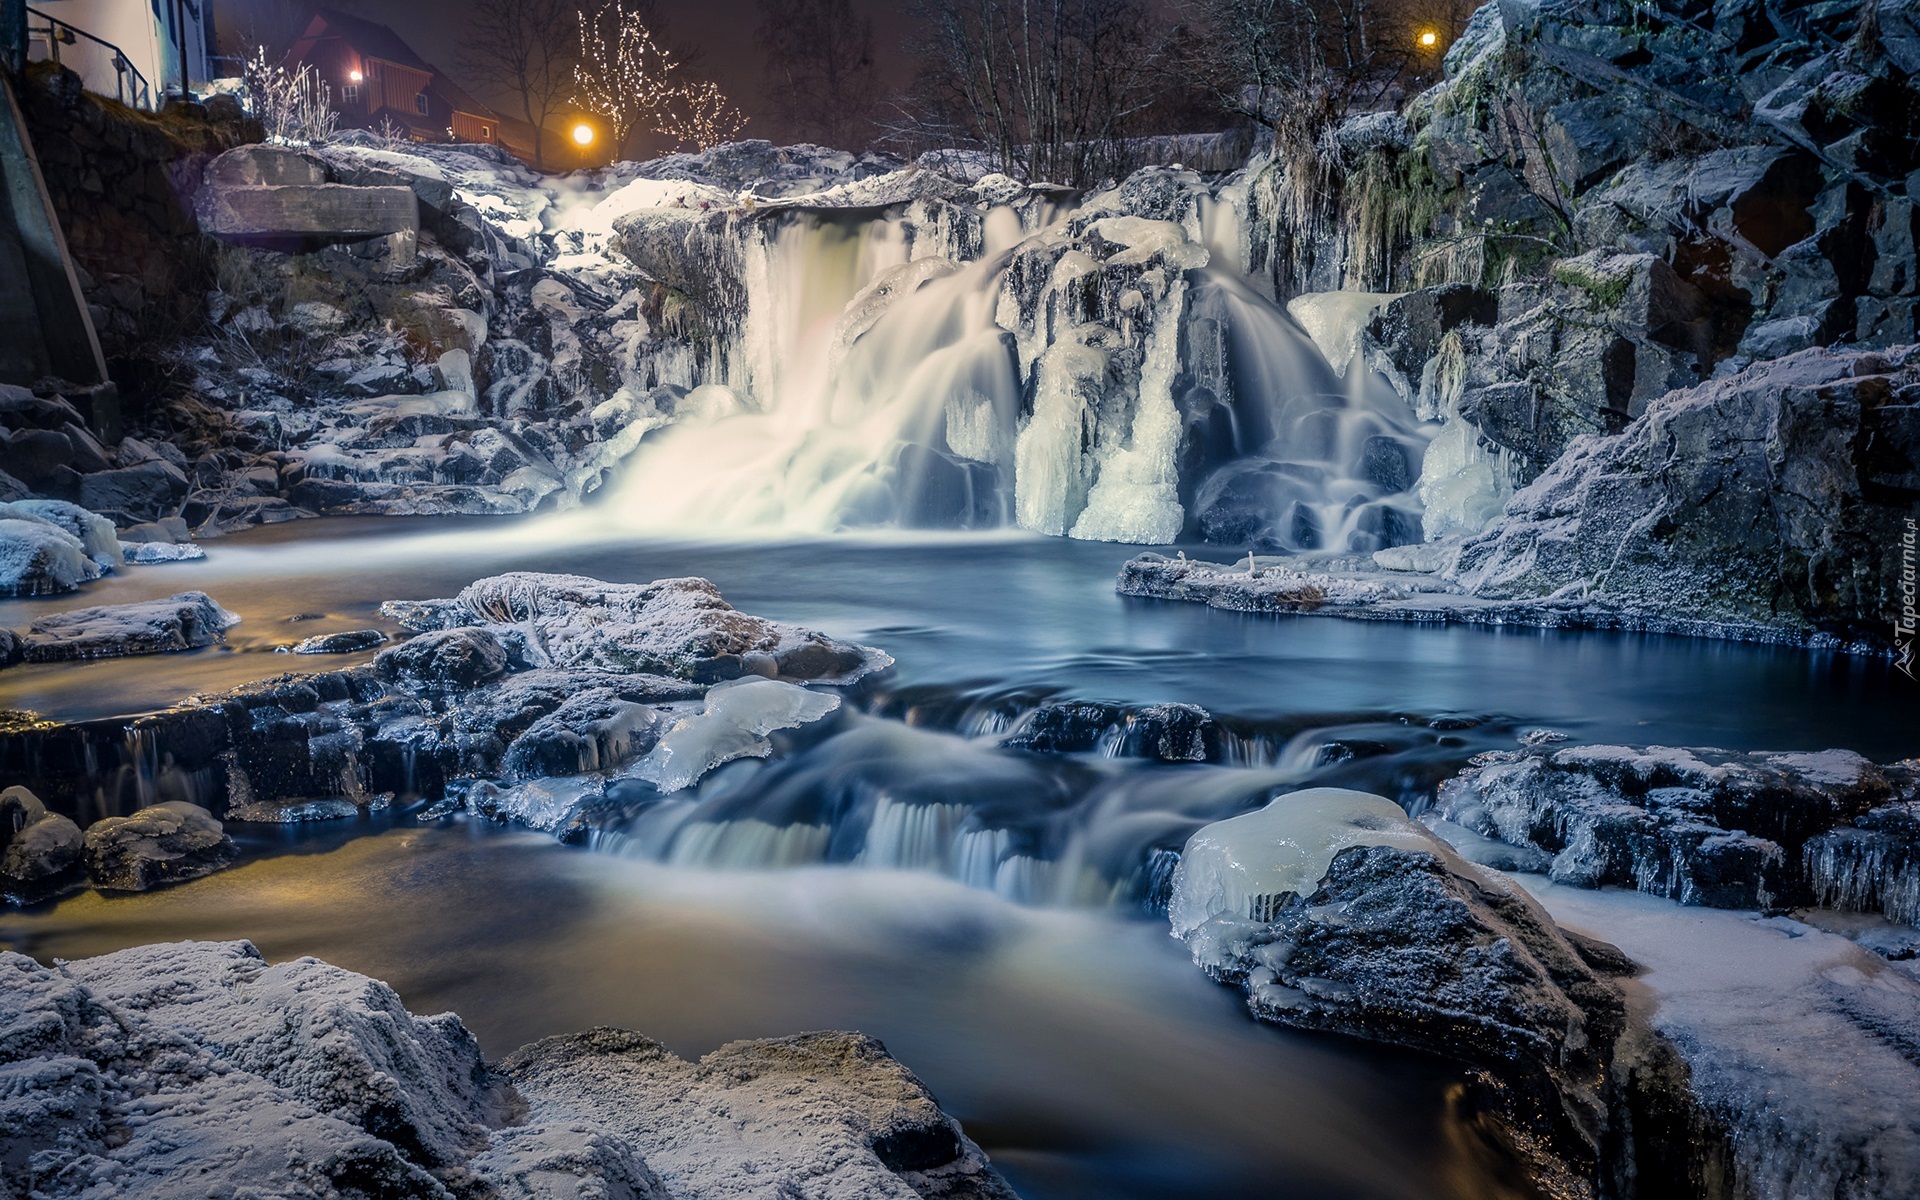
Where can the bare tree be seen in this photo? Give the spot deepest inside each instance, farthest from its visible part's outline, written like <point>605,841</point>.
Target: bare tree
<point>700,116</point>
<point>530,48</point>
<point>1046,87</point>
<point>820,70</point>
<point>624,74</point>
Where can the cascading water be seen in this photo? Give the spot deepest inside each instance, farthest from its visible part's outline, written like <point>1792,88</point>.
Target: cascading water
<point>1100,379</point>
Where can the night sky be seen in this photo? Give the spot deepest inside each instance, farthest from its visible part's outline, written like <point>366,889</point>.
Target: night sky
<point>723,29</point>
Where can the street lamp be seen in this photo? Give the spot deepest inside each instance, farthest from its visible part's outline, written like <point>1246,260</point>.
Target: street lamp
<point>1429,39</point>
<point>355,76</point>
<point>583,134</point>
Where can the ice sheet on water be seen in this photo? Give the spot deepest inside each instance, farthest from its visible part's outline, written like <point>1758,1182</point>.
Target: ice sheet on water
<point>739,715</point>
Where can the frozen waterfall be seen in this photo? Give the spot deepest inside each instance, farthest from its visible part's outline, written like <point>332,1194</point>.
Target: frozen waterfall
<point>1096,376</point>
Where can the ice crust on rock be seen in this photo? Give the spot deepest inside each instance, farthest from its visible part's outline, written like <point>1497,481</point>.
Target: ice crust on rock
<point>169,842</point>
<point>1240,868</point>
<point>38,558</point>
<point>738,716</point>
<point>1333,910</point>
<point>1703,826</point>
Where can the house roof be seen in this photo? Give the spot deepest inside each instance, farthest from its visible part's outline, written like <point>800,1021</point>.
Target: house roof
<point>370,38</point>
<point>459,99</point>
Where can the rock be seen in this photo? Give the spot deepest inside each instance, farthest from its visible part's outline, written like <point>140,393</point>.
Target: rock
<point>178,1071</point>
<point>165,843</point>
<point>127,1105</point>
<point>265,166</point>
<point>187,621</point>
<point>1701,827</point>
<point>1773,496</point>
<point>40,852</point>
<point>349,642</point>
<point>38,558</point>
<point>1335,912</point>
<point>678,627</point>
<point>318,212</point>
<point>95,533</point>
<point>818,1114</point>
<point>150,490</point>
<point>592,731</point>
<point>452,658</point>
<point>154,553</point>
<point>1165,732</point>
<point>165,530</point>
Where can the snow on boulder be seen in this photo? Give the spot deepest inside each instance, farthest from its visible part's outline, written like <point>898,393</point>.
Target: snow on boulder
<point>128,1107</point>
<point>820,1114</point>
<point>187,621</point>
<point>679,627</point>
<point>40,852</point>
<point>338,1041</point>
<point>38,558</point>
<point>165,843</point>
<point>95,532</point>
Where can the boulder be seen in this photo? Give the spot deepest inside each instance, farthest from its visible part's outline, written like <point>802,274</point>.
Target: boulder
<point>165,843</point>
<point>349,642</point>
<point>297,213</point>
<point>1334,911</point>
<point>1699,826</point>
<point>458,659</point>
<point>677,627</point>
<point>826,1114</point>
<point>40,852</point>
<point>187,621</point>
<point>38,558</point>
<point>148,491</point>
<point>1775,495</point>
<point>94,532</point>
<point>265,166</point>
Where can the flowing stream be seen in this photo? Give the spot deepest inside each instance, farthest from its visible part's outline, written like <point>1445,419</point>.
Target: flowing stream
<point>981,908</point>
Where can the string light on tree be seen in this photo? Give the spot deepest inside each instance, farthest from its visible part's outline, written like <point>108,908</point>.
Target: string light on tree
<point>625,76</point>
<point>705,118</point>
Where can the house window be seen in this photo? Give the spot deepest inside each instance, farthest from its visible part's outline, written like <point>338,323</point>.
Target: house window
<point>420,103</point>
<point>486,132</point>
<point>350,94</point>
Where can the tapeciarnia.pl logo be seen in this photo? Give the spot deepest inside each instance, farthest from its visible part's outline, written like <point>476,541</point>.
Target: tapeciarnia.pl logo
<point>1908,620</point>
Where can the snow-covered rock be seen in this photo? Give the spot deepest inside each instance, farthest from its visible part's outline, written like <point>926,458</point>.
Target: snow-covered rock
<point>40,852</point>
<point>1701,826</point>
<point>184,622</point>
<point>38,558</point>
<point>170,842</point>
<point>680,627</point>
<point>820,1114</point>
<point>178,1071</point>
<point>1335,911</point>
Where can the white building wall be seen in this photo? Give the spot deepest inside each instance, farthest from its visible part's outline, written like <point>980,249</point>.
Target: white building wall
<point>143,31</point>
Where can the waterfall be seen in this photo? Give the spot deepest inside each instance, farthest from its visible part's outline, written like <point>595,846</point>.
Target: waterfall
<point>1103,376</point>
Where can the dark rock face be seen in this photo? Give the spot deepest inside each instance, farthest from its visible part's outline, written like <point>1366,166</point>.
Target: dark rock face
<point>458,659</point>
<point>1775,495</point>
<point>1703,827</point>
<point>169,842</point>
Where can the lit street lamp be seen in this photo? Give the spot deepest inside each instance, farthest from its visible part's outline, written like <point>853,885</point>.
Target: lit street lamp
<point>583,134</point>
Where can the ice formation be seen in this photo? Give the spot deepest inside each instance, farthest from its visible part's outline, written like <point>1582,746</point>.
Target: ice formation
<point>739,715</point>
<point>1241,868</point>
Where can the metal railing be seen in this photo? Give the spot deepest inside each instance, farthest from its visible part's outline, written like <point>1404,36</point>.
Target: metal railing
<point>130,86</point>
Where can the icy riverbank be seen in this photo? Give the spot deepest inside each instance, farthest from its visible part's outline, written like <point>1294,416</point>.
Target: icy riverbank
<point>189,1069</point>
